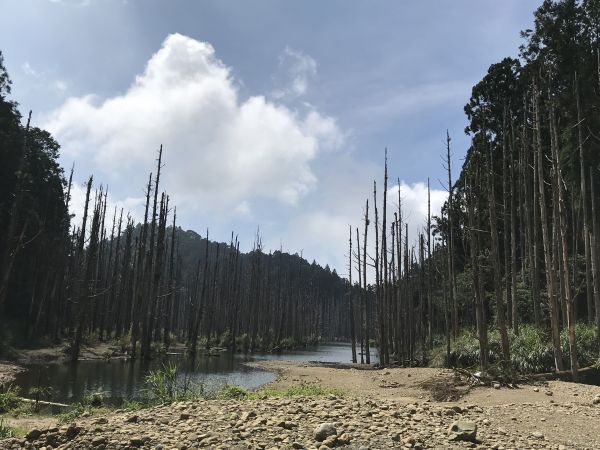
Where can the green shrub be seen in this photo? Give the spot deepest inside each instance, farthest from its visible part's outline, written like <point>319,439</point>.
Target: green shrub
<point>165,386</point>
<point>9,398</point>
<point>587,344</point>
<point>73,413</point>
<point>232,392</point>
<point>93,399</point>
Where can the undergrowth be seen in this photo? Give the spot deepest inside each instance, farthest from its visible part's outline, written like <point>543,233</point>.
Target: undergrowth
<point>531,350</point>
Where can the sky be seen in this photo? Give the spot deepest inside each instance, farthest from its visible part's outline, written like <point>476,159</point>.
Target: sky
<point>273,115</point>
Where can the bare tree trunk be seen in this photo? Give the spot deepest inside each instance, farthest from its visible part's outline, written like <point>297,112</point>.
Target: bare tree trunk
<point>563,236</point>
<point>350,303</point>
<point>544,219</point>
<point>366,293</point>
<point>586,223</point>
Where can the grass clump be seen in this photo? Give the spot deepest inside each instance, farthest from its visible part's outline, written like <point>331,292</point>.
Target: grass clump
<point>233,392</point>
<point>165,386</point>
<point>7,431</point>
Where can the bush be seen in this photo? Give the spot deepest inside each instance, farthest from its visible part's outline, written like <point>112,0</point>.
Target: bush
<point>9,398</point>
<point>232,392</point>
<point>164,386</point>
<point>93,399</point>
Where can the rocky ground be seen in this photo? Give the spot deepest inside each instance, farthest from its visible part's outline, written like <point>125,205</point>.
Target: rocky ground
<point>392,408</point>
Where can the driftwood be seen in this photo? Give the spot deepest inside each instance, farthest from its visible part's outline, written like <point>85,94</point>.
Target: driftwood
<point>43,403</point>
<point>566,375</point>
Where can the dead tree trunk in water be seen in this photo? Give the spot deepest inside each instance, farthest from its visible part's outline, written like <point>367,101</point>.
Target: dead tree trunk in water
<point>366,293</point>
<point>350,305</point>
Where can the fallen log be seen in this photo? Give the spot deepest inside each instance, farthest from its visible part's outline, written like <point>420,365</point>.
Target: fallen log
<point>43,403</point>
<point>566,375</point>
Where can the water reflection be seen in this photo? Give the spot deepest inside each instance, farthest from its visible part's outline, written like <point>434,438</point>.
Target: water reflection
<point>120,379</point>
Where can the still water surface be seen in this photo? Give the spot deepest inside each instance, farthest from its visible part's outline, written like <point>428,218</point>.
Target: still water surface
<point>119,379</point>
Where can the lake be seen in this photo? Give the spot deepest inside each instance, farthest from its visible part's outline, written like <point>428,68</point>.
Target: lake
<point>119,379</point>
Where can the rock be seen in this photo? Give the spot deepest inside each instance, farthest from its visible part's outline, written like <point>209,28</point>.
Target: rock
<point>72,432</point>
<point>324,430</point>
<point>297,445</point>
<point>536,389</point>
<point>496,385</point>
<point>463,430</point>
<point>136,441</point>
<point>247,415</point>
<point>132,419</point>
<point>537,435</point>
<point>330,441</point>
<point>98,440</point>
<point>33,434</point>
<point>184,416</point>
<point>596,400</point>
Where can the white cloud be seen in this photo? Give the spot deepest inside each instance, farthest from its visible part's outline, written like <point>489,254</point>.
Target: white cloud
<point>295,71</point>
<point>220,150</point>
<point>26,67</point>
<point>61,85</point>
<point>320,230</point>
<point>131,205</point>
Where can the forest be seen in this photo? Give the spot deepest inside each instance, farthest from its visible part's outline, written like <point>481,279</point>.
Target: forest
<point>146,285</point>
<point>506,278</point>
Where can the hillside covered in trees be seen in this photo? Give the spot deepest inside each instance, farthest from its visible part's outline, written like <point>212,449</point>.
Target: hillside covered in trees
<point>150,284</point>
<point>513,258</point>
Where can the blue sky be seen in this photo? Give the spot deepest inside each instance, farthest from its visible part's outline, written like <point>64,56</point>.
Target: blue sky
<point>272,113</point>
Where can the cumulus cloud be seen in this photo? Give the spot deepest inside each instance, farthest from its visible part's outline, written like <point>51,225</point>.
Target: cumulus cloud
<point>221,151</point>
<point>134,206</point>
<point>320,230</point>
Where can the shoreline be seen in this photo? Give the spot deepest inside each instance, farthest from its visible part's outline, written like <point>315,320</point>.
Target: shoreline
<point>387,408</point>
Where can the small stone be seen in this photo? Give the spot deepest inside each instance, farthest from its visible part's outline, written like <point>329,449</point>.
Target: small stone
<point>247,415</point>
<point>330,441</point>
<point>98,440</point>
<point>536,389</point>
<point>136,442</point>
<point>323,431</point>
<point>463,430</point>
<point>184,416</point>
<point>537,435</point>
<point>133,419</point>
<point>496,385</point>
<point>33,434</point>
<point>596,400</point>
